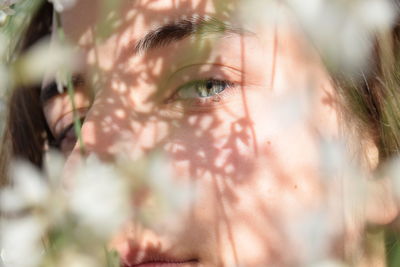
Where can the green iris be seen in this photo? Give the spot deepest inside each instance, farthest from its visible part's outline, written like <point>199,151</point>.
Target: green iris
<point>202,89</point>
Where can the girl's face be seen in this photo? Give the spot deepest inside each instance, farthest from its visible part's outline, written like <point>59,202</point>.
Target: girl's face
<point>241,111</point>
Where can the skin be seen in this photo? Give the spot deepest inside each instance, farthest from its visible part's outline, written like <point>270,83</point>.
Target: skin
<point>253,151</point>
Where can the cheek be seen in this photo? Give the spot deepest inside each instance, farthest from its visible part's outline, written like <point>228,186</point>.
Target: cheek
<point>208,147</point>
<point>108,138</point>
<point>274,149</point>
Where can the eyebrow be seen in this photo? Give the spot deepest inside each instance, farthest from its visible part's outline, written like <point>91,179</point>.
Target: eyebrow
<point>161,37</point>
<point>181,29</point>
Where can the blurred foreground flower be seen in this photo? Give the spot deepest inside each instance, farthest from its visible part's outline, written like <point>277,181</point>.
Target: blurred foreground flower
<point>62,5</point>
<point>100,198</point>
<point>23,222</point>
<point>21,242</point>
<point>392,171</point>
<point>5,6</point>
<point>157,196</point>
<point>6,9</point>
<point>41,221</point>
<point>44,224</point>
<point>29,189</point>
<point>342,31</point>
<point>47,59</point>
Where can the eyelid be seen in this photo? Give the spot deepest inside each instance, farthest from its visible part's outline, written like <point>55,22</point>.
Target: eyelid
<point>205,104</point>
<point>197,65</point>
<point>193,72</point>
<point>175,95</point>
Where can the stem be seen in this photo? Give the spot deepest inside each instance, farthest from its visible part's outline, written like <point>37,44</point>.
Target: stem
<point>71,90</point>
<point>77,119</point>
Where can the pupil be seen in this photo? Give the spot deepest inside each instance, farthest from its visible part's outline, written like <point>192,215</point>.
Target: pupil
<point>209,85</point>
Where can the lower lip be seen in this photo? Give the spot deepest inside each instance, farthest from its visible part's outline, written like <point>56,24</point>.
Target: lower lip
<point>166,264</point>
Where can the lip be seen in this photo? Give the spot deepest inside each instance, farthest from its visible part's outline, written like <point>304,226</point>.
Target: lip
<point>163,263</point>
<point>155,258</point>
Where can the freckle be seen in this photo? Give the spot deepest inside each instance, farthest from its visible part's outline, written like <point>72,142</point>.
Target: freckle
<point>295,186</point>
<point>269,143</point>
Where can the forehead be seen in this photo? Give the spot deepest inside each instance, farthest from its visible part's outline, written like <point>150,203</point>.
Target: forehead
<point>102,17</point>
<point>109,30</point>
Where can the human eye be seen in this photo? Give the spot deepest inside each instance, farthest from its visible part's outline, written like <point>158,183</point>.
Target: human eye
<point>63,110</point>
<point>203,88</point>
<point>201,94</point>
<point>66,139</point>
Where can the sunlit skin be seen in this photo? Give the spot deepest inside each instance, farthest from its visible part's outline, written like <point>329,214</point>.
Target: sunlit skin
<point>252,149</point>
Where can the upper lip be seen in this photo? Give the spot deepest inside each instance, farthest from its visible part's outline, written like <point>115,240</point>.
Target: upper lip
<point>137,257</point>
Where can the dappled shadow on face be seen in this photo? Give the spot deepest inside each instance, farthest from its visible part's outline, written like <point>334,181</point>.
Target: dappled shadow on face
<point>212,142</point>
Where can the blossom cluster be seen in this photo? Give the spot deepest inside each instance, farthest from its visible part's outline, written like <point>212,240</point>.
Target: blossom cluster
<point>39,209</point>
<point>342,31</point>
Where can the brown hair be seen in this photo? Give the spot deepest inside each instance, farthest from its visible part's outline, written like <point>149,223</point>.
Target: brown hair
<point>374,99</point>
<point>26,130</point>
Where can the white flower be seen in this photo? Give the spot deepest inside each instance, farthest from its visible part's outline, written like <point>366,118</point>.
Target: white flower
<point>99,198</point>
<point>161,196</point>
<point>47,58</point>
<point>375,14</point>
<point>5,6</point>
<point>76,259</point>
<point>6,10</point>
<point>3,17</point>
<point>62,5</point>
<point>161,181</point>
<point>54,163</point>
<point>342,31</point>
<point>21,242</point>
<point>392,170</point>
<point>322,225</point>
<point>29,189</point>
